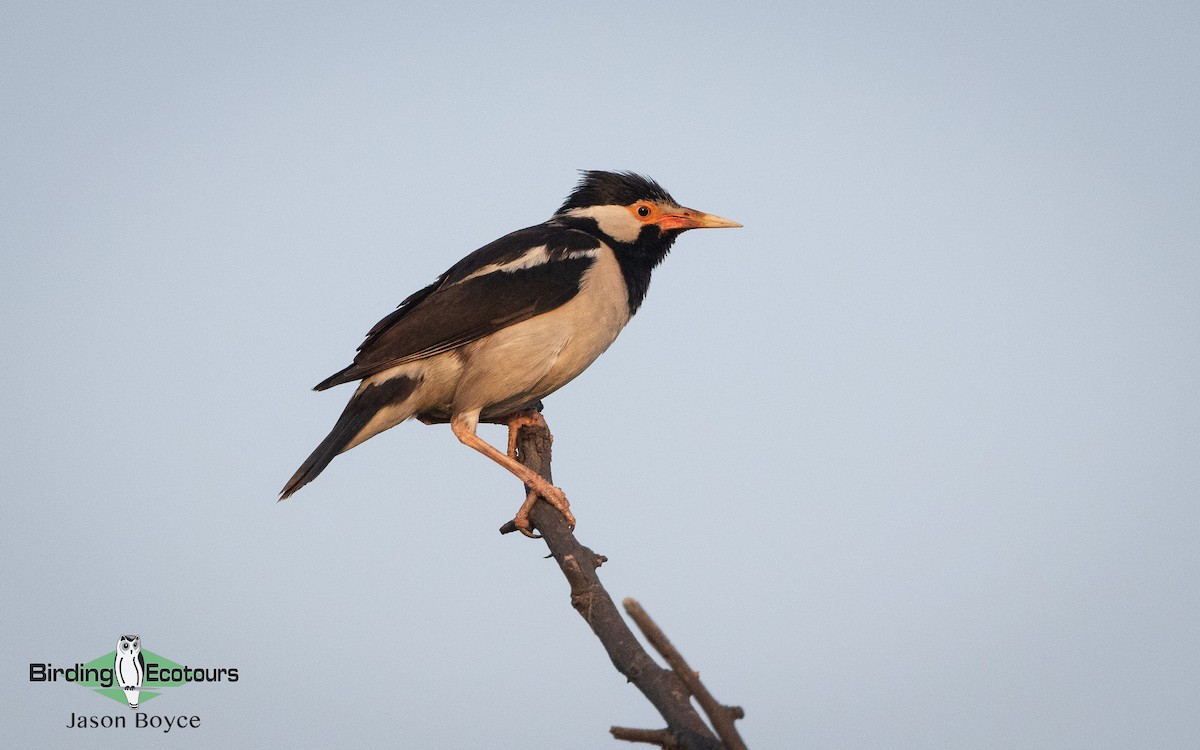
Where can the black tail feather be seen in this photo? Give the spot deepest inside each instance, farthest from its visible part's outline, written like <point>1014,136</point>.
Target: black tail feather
<point>357,414</point>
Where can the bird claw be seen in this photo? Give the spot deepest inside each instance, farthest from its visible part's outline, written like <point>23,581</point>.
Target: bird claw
<point>524,418</point>
<point>525,528</point>
<point>550,494</point>
<point>558,499</point>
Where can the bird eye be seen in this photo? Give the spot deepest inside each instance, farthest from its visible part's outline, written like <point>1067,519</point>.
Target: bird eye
<point>644,211</point>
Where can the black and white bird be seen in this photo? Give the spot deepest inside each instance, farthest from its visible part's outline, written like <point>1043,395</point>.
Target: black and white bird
<point>511,323</point>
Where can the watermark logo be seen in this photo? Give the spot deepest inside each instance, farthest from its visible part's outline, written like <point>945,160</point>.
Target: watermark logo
<point>131,676</point>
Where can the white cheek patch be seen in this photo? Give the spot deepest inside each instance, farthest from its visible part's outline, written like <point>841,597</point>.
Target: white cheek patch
<point>615,221</point>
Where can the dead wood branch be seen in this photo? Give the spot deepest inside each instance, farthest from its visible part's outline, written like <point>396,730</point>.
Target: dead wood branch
<point>664,688</point>
<point>721,716</point>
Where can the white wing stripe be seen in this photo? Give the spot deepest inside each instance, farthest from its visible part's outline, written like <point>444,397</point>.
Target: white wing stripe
<point>534,256</point>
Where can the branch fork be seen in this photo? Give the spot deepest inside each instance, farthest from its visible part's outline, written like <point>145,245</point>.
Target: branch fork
<point>669,690</point>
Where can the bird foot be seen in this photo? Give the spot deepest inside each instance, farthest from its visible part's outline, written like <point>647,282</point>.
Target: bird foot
<point>525,418</point>
<point>550,494</point>
<point>521,520</point>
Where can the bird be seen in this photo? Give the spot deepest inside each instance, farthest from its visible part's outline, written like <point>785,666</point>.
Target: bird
<point>511,323</point>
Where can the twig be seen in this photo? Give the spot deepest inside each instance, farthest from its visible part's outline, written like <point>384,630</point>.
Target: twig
<point>660,737</point>
<point>662,687</point>
<point>722,717</point>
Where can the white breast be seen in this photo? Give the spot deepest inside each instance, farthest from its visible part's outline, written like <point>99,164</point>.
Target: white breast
<point>536,357</point>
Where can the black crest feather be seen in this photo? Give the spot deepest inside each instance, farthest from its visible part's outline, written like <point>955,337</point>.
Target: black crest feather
<point>598,188</point>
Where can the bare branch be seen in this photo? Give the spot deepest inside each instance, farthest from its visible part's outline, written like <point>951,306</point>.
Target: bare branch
<point>662,687</point>
<point>661,737</point>
<point>722,717</point>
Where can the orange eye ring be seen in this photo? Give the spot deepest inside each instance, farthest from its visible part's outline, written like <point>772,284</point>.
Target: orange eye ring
<point>645,211</point>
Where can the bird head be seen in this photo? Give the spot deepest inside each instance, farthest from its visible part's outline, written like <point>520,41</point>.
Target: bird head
<point>632,209</point>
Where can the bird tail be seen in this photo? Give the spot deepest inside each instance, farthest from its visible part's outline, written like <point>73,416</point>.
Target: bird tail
<point>349,429</point>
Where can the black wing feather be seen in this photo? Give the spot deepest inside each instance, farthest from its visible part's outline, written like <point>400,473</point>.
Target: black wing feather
<point>456,310</point>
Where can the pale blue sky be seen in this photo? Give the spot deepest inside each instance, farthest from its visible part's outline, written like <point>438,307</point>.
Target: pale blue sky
<point>910,461</point>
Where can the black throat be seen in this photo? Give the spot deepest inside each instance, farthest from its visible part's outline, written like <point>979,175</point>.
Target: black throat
<point>637,259</point>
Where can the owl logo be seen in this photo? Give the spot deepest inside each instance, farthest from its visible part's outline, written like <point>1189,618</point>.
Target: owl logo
<point>130,667</point>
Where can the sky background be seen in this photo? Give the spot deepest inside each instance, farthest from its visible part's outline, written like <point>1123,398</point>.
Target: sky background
<point>910,461</point>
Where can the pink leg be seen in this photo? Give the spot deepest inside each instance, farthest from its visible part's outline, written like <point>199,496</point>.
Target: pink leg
<point>464,425</point>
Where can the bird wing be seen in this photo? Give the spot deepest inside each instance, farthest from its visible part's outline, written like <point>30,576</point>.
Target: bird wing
<point>517,277</point>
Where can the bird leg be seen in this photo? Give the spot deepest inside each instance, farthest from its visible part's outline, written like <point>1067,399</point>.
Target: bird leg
<point>515,421</point>
<point>464,426</point>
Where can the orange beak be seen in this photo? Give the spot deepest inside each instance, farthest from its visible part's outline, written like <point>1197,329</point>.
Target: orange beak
<point>688,218</point>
